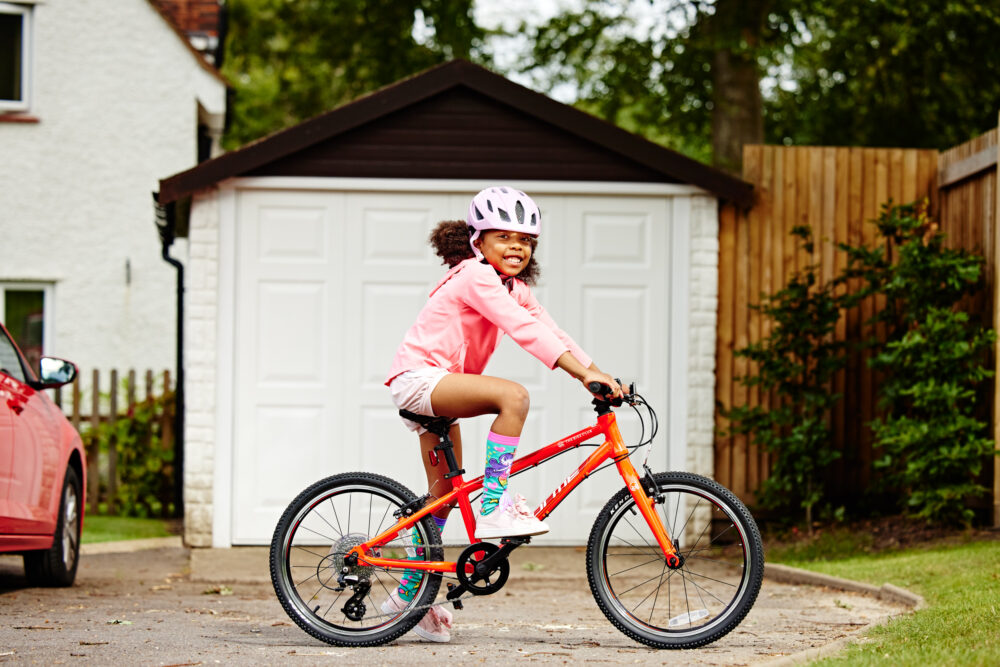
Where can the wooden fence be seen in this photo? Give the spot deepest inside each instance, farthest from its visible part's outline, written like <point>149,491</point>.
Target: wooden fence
<point>969,211</point>
<point>105,399</point>
<point>836,191</point>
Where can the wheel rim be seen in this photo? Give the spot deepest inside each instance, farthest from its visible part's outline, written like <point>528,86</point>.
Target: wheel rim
<point>309,568</point>
<point>693,599</point>
<point>71,527</point>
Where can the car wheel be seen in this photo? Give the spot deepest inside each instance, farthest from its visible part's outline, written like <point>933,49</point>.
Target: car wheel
<point>56,566</point>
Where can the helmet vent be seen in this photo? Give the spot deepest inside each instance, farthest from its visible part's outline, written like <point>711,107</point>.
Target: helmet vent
<point>479,215</point>
<point>519,213</point>
<point>533,220</point>
<point>503,215</point>
<point>489,205</point>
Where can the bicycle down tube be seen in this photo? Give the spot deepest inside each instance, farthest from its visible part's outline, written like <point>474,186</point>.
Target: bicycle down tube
<point>613,448</point>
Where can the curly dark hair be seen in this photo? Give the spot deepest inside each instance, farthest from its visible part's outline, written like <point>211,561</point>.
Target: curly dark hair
<point>451,243</point>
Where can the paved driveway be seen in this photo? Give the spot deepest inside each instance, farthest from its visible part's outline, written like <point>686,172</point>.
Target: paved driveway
<point>174,606</point>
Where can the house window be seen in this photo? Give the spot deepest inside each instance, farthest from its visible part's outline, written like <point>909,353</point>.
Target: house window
<point>24,308</point>
<point>15,56</point>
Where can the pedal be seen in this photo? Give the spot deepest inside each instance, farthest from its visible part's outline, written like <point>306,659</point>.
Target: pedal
<point>457,603</point>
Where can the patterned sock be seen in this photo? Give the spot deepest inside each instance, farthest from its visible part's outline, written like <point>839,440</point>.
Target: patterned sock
<point>499,455</point>
<point>411,579</point>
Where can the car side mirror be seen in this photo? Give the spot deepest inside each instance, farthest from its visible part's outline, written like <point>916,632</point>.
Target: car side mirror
<point>55,372</point>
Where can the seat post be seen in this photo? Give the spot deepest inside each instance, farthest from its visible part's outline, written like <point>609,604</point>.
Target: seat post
<point>446,447</point>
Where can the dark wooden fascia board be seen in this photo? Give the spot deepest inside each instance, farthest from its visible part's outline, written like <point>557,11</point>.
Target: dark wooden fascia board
<point>432,82</point>
<point>595,130</point>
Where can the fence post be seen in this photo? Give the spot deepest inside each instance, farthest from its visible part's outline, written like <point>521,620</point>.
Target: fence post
<point>93,471</point>
<point>113,446</point>
<point>996,328</point>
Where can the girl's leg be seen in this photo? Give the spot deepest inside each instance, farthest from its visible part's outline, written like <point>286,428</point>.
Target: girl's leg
<point>459,395</point>
<point>437,485</point>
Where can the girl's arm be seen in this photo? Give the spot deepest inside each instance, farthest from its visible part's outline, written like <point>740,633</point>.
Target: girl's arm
<point>589,374</point>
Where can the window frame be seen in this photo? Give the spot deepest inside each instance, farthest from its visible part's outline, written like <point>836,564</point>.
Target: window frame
<point>48,311</point>
<point>24,10</point>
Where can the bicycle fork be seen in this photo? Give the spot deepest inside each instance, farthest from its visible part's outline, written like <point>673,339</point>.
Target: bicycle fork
<point>646,502</point>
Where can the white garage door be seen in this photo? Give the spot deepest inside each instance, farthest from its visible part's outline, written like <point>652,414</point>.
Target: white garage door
<point>328,282</point>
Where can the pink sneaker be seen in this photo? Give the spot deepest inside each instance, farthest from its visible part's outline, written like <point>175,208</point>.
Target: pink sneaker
<point>511,518</point>
<point>433,626</point>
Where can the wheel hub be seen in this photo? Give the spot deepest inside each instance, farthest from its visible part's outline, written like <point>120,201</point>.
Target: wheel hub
<point>337,557</point>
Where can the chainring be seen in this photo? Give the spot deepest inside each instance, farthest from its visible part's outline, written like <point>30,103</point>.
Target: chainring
<point>470,570</point>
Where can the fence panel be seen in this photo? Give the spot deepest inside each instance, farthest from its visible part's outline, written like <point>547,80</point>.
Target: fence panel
<point>103,395</point>
<point>837,191</point>
<point>970,206</point>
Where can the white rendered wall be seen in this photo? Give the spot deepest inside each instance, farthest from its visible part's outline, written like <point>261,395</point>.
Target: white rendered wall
<point>116,95</point>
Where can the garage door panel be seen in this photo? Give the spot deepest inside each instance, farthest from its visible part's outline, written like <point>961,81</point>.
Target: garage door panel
<point>616,241</point>
<point>396,235</point>
<point>292,234</point>
<point>284,449</point>
<point>615,321</point>
<point>389,448</point>
<point>388,310</point>
<point>292,333</point>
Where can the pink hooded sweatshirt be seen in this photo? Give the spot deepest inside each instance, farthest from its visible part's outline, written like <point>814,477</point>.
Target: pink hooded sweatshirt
<point>468,313</point>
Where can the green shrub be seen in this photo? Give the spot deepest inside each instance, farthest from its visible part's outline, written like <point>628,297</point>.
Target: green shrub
<point>932,443</point>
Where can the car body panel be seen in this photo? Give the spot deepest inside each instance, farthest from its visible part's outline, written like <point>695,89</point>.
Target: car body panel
<point>37,443</point>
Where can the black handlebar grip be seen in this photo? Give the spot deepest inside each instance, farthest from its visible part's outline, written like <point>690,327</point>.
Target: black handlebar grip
<point>598,388</point>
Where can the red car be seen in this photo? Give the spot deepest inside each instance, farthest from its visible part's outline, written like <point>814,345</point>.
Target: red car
<point>42,471</point>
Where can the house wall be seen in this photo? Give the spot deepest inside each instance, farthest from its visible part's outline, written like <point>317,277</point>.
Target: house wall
<point>208,459</point>
<point>115,108</point>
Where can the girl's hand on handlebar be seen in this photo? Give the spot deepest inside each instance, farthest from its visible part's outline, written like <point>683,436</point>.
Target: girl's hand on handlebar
<point>602,378</point>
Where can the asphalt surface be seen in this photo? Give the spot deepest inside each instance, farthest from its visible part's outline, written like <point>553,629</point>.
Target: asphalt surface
<point>170,605</point>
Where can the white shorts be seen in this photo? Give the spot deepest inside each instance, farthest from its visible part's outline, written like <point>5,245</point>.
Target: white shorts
<point>411,390</point>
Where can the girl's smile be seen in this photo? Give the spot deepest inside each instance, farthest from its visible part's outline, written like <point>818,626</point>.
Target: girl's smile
<point>507,252</point>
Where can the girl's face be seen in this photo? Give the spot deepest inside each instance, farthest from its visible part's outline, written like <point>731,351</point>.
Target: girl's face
<point>507,252</point>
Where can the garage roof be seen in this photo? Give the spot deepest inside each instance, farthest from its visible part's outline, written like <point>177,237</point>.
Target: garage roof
<point>457,120</point>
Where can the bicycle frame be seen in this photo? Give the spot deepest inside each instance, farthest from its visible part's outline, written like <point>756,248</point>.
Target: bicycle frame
<point>613,448</point>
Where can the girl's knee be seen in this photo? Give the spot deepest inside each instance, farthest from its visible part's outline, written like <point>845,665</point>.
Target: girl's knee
<point>516,401</point>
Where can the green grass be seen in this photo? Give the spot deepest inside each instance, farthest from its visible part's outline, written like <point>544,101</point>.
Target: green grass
<point>115,528</point>
<point>959,582</point>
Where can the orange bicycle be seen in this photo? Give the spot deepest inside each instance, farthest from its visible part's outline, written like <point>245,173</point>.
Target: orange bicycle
<point>674,560</point>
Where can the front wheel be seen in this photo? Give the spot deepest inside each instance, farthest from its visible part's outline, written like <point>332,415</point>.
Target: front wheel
<point>722,563</point>
<point>332,600</point>
<point>56,566</point>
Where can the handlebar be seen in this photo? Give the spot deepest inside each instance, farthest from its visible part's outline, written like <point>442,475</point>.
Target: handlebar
<point>601,389</point>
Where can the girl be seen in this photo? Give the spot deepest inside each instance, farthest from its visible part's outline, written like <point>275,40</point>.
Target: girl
<point>438,366</point>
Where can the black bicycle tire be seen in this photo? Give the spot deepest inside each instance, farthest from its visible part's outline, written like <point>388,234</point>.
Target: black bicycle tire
<point>280,577</point>
<point>753,574</point>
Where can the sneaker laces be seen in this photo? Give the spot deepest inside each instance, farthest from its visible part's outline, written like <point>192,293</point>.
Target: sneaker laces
<point>520,504</point>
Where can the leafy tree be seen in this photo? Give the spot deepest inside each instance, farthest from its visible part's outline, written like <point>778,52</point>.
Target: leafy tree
<point>289,61</point>
<point>798,361</point>
<point>876,72</point>
<point>881,73</point>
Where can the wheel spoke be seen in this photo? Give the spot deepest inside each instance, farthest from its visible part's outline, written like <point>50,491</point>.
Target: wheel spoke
<point>712,593</point>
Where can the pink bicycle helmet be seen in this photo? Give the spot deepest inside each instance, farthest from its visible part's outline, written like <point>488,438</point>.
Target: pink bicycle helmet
<point>502,208</point>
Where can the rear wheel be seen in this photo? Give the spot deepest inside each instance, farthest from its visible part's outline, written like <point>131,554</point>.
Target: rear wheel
<point>308,553</point>
<point>722,564</point>
<point>56,566</point>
